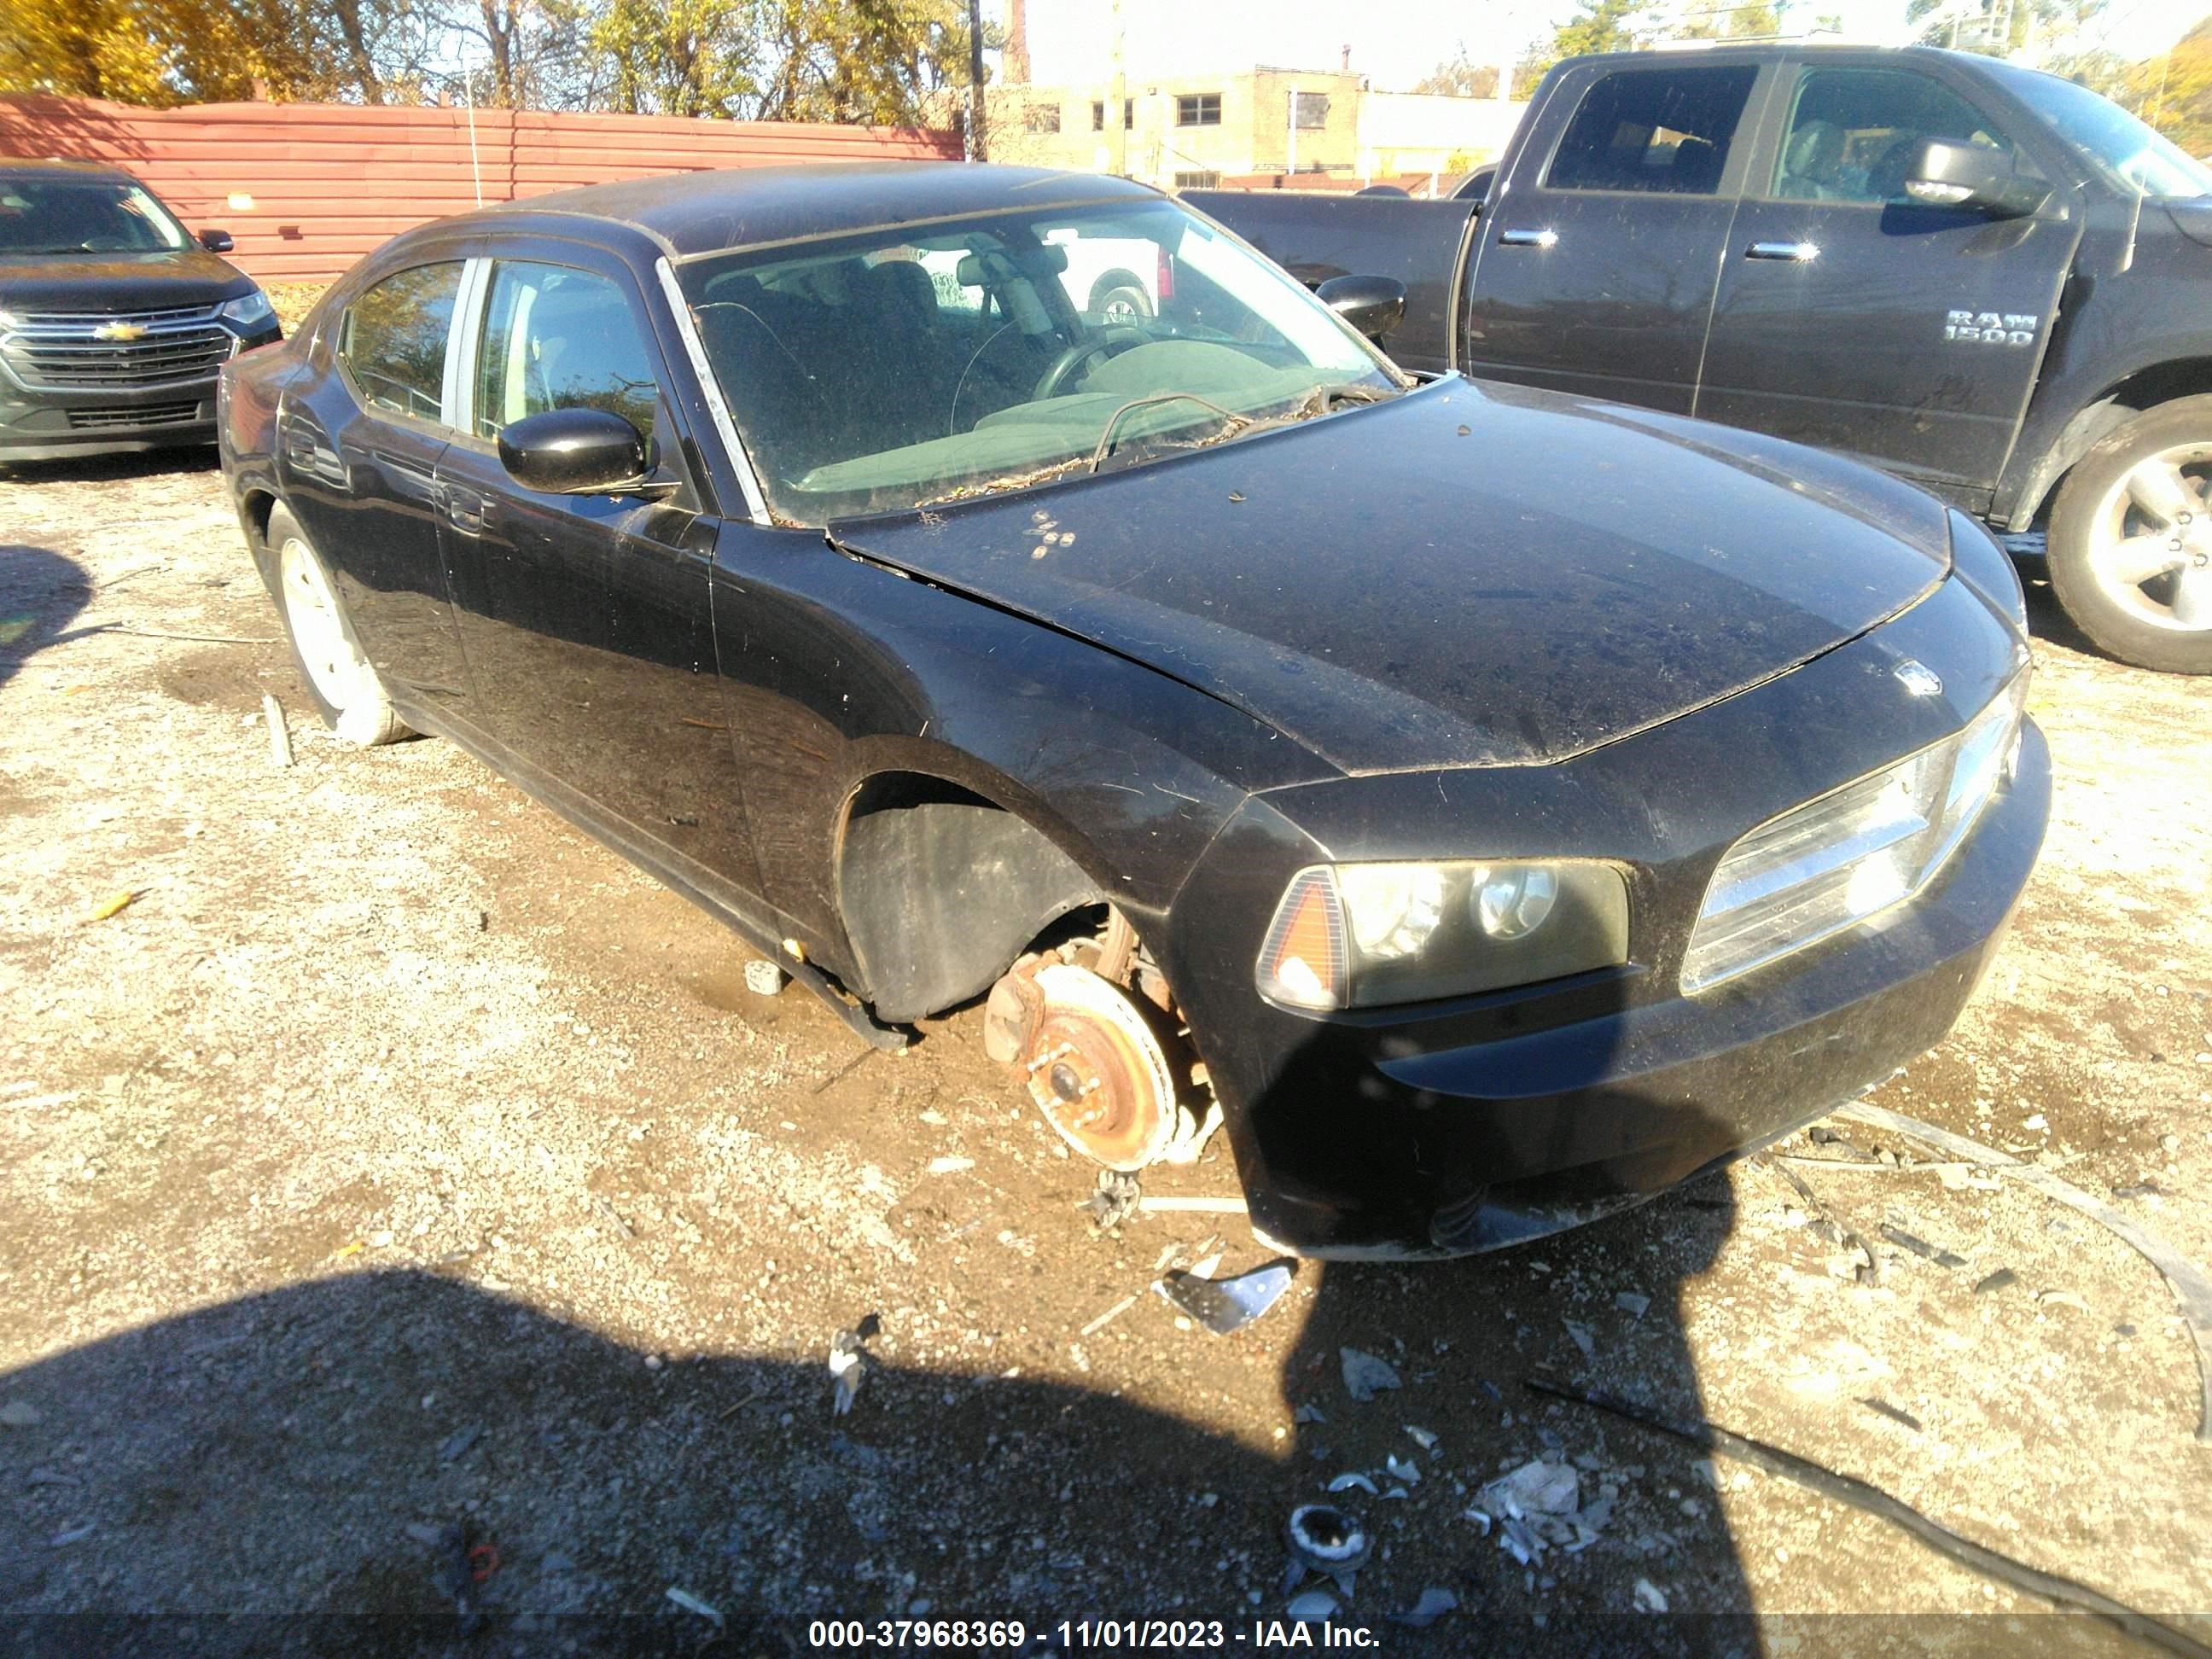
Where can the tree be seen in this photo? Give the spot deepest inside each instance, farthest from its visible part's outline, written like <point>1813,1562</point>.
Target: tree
<point>1726,20</point>
<point>1456,77</point>
<point>1598,26</point>
<point>676,57</point>
<point>2173,91</point>
<point>1999,29</point>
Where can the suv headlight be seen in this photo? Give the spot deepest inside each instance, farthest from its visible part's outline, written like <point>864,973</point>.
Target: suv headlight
<point>251,311</point>
<point>1360,935</point>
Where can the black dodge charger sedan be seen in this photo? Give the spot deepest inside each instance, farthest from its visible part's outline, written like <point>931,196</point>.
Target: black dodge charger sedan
<point>114,318</point>
<point>1493,805</point>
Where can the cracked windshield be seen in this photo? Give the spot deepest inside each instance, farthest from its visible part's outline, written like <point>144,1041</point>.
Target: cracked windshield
<point>884,372</point>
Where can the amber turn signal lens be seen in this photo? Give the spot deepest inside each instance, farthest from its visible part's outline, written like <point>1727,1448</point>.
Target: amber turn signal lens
<point>1304,963</point>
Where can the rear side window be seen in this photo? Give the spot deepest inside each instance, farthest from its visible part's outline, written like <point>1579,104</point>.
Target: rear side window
<point>1664,131</point>
<point>1853,133</point>
<point>556,337</point>
<point>393,340</point>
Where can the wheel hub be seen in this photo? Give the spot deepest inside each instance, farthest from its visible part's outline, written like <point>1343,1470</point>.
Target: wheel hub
<point>1096,1071</point>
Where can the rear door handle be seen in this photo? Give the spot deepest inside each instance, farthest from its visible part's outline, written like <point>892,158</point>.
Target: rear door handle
<point>1796,253</point>
<point>1529,237</point>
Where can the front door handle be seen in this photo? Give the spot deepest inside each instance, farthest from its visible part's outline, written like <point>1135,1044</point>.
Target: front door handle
<point>469,511</point>
<point>1796,253</point>
<point>1529,237</point>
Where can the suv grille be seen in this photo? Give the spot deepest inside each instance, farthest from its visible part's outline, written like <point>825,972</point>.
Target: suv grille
<point>102,420</point>
<point>64,350</point>
<point>1832,863</point>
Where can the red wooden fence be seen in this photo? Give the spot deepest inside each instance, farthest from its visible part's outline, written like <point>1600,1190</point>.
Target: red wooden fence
<point>306,189</point>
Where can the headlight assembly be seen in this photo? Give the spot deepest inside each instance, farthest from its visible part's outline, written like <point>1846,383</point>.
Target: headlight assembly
<point>1360,935</point>
<point>251,311</point>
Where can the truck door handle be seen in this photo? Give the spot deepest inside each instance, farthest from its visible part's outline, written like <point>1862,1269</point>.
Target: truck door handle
<point>1529,237</point>
<point>1796,253</point>
<point>469,511</point>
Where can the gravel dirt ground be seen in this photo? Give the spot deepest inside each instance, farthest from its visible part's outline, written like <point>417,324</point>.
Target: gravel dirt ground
<point>399,1174</point>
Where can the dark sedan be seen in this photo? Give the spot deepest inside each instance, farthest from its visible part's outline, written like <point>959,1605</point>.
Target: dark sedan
<point>113,318</point>
<point>1496,805</point>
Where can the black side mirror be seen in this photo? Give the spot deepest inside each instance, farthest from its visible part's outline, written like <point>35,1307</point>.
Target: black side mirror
<point>576,451</point>
<point>1372,305</point>
<point>1944,173</point>
<point>216,241</point>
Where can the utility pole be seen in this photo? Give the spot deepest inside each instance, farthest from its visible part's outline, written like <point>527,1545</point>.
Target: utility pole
<point>1293,146</point>
<point>1118,92</point>
<point>975,136</point>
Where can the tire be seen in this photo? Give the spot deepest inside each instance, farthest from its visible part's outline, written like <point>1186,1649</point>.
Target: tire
<point>2131,547</point>
<point>340,681</point>
<point>1120,297</point>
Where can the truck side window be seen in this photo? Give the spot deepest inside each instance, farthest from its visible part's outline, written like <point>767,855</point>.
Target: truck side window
<point>1853,132</point>
<point>1665,130</point>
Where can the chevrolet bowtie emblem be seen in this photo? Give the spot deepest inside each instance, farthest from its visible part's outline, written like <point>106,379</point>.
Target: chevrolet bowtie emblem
<point>119,331</point>
<point>1919,678</point>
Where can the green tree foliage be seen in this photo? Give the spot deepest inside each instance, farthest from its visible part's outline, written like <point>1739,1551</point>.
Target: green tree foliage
<point>1596,26</point>
<point>823,60</point>
<point>1458,77</point>
<point>2173,90</point>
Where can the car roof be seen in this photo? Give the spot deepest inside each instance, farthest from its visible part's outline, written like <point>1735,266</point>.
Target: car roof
<point>33,166</point>
<point>1676,54</point>
<point>692,214</point>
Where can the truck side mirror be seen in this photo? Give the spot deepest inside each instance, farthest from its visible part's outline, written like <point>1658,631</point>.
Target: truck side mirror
<point>1945,173</point>
<point>1372,305</point>
<point>216,241</point>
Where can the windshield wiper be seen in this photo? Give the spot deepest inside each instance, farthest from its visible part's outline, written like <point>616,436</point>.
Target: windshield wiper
<point>1106,438</point>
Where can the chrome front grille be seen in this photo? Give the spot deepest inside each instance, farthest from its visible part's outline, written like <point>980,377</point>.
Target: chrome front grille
<point>72,351</point>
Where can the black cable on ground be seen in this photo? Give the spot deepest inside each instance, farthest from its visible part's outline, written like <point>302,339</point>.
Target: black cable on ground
<point>1847,1489</point>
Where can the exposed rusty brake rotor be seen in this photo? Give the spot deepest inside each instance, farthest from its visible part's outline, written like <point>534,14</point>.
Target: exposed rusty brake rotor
<point>1089,1060</point>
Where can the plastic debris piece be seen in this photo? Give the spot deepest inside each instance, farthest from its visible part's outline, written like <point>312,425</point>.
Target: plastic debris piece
<point>1327,1540</point>
<point>1434,1603</point>
<point>2003,1279</point>
<point>1364,1376</point>
<point>2062,1298</point>
<point>1479,1516</point>
<point>111,905</point>
<point>1227,1305</point>
<point>764,978</point>
<point>1921,1248</point>
<point>1308,1413</point>
<point>690,1603</point>
<point>1396,1492</point>
<point>1206,1266</point>
<point>1109,1315</point>
<point>1420,1437</point>
<point>1894,1413</point>
<point>949,1165</point>
<point>1314,1607</point>
<point>1113,1200</point>
<point>1631,1303</point>
<point>280,735</point>
<point>1403,1469</point>
<point>1581,1333</point>
<point>1649,1598</point>
<point>1352,1478</point>
<point>848,1360</point>
<point>1536,1487</point>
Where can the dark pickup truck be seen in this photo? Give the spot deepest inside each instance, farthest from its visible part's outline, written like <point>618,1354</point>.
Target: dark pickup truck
<point>1987,280</point>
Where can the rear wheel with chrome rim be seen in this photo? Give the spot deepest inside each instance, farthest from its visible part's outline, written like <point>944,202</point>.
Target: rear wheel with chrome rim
<point>2131,539</point>
<point>341,682</point>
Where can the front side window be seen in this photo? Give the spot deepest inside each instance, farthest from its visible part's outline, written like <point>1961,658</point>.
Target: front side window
<point>1663,130</point>
<point>1853,134</point>
<point>556,337</point>
<point>393,340</point>
<point>63,215</point>
<point>1198,109</point>
<point>885,370</point>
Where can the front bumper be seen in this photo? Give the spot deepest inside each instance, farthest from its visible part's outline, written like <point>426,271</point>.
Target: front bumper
<point>1449,1127</point>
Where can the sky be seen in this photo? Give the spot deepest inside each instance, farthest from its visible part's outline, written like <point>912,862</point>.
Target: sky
<point>1398,41</point>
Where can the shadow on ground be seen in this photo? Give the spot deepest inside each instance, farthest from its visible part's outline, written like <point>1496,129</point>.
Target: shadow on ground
<point>41,592</point>
<point>271,1474</point>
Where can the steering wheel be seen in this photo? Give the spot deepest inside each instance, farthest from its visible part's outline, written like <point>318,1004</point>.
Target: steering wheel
<point>1112,340</point>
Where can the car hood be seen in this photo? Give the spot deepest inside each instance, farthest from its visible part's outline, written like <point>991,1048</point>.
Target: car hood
<point>1472,575</point>
<point>118,281</point>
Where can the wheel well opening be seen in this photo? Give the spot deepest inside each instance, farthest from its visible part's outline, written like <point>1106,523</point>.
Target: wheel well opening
<point>1112,280</point>
<point>2161,383</point>
<point>941,889</point>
